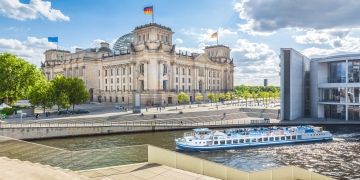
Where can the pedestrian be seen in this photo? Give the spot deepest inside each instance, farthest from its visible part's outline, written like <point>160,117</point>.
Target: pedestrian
<point>36,116</point>
<point>146,109</point>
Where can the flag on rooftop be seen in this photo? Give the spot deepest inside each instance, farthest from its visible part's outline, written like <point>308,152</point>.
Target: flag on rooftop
<point>214,35</point>
<point>53,39</point>
<point>148,10</point>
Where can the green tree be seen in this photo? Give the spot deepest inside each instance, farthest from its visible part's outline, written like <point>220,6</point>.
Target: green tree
<point>60,86</point>
<point>76,91</point>
<point>246,95</point>
<point>228,96</point>
<point>69,91</point>
<point>199,98</point>
<point>42,95</point>
<point>183,98</point>
<point>17,76</point>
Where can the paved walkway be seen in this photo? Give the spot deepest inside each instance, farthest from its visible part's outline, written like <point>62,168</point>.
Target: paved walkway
<point>142,171</point>
<point>15,169</point>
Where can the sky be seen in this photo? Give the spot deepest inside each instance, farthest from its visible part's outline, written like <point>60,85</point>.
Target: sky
<point>255,30</point>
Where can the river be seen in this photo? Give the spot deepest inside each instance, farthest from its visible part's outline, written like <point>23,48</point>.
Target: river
<point>339,158</point>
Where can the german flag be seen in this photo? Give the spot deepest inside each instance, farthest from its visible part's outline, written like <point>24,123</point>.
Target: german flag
<point>148,10</point>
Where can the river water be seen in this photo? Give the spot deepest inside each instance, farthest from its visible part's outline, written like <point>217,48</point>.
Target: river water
<point>339,158</point>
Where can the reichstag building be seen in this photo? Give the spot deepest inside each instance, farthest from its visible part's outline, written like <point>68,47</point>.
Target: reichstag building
<point>144,62</point>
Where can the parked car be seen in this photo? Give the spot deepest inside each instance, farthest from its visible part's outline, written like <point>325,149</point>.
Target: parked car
<point>81,111</point>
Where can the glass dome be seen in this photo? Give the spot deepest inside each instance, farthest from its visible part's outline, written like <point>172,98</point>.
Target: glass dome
<point>122,45</point>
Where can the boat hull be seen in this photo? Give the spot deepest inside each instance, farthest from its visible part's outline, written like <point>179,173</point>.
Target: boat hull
<point>184,147</point>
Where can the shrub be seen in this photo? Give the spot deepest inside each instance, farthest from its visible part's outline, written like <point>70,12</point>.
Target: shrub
<point>7,111</point>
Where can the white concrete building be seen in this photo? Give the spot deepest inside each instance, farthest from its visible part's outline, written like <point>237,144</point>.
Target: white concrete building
<point>321,88</point>
<point>145,62</point>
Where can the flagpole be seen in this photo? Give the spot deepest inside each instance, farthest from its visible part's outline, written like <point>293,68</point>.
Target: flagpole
<point>152,15</point>
<point>217,38</point>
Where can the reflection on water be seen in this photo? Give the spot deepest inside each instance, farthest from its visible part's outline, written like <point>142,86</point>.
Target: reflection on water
<point>339,158</point>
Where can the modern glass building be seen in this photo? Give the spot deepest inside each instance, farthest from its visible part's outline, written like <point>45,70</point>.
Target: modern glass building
<point>332,90</point>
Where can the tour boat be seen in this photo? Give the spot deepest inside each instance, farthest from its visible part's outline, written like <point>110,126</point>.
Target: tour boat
<point>204,139</point>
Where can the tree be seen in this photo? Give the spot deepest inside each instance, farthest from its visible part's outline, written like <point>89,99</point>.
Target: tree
<point>228,96</point>
<point>60,86</point>
<point>213,97</point>
<point>42,95</point>
<point>246,95</point>
<point>17,76</point>
<point>183,98</point>
<point>199,98</point>
<point>76,91</point>
<point>69,91</point>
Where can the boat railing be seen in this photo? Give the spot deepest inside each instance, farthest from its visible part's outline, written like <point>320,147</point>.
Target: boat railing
<point>188,134</point>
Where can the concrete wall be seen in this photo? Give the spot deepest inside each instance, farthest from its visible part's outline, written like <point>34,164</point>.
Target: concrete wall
<point>207,168</point>
<point>293,87</point>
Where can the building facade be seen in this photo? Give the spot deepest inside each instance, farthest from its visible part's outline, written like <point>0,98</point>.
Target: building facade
<point>321,88</point>
<point>144,62</point>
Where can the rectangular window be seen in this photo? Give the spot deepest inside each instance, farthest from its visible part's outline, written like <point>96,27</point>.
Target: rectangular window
<point>189,71</point>
<point>253,140</point>
<point>105,81</point>
<point>228,142</point>
<point>105,72</point>
<point>129,70</point>
<point>222,142</point>
<point>189,80</point>
<point>216,142</point>
<point>241,141</point>
<point>111,72</point>
<point>271,138</point>
<point>259,140</point>
<point>99,72</point>
<point>117,80</point>
<point>183,80</point>
<point>283,138</point>
<point>276,138</point>
<point>111,80</point>
<point>177,70</point>
<point>247,140</point>
<point>177,79</point>
<point>235,141</point>
<point>266,139</point>
<point>117,71</point>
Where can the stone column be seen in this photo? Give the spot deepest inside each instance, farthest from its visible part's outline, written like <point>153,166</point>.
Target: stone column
<point>146,76</point>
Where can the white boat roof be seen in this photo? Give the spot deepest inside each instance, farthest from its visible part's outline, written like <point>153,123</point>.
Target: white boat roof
<point>201,130</point>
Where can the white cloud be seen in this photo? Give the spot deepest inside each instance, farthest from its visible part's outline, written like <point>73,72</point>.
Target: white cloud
<point>96,43</point>
<point>329,42</point>
<point>321,36</point>
<point>34,9</point>
<point>255,62</point>
<point>178,41</point>
<point>32,49</point>
<point>266,16</point>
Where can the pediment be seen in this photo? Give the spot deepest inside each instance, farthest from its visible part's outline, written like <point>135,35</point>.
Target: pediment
<point>203,58</point>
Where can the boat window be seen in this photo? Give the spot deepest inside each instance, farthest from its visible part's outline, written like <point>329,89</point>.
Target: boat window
<point>293,137</point>
<point>287,137</point>
<point>266,139</point>
<point>247,140</point>
<point>235,141</point>
<point>241,141</point>
<point>216,142</point>
<point>283,138</point>
<point>228,142</point>
<point>222,142</point>
<point>298,137</point>
<point>260,140</point>
<point>276,138</point>
<point>271,138</point>
<point>253,140</point>
<point>215,137</point>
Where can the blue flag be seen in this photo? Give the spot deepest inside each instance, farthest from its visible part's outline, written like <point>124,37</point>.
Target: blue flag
<point>53,39</point>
